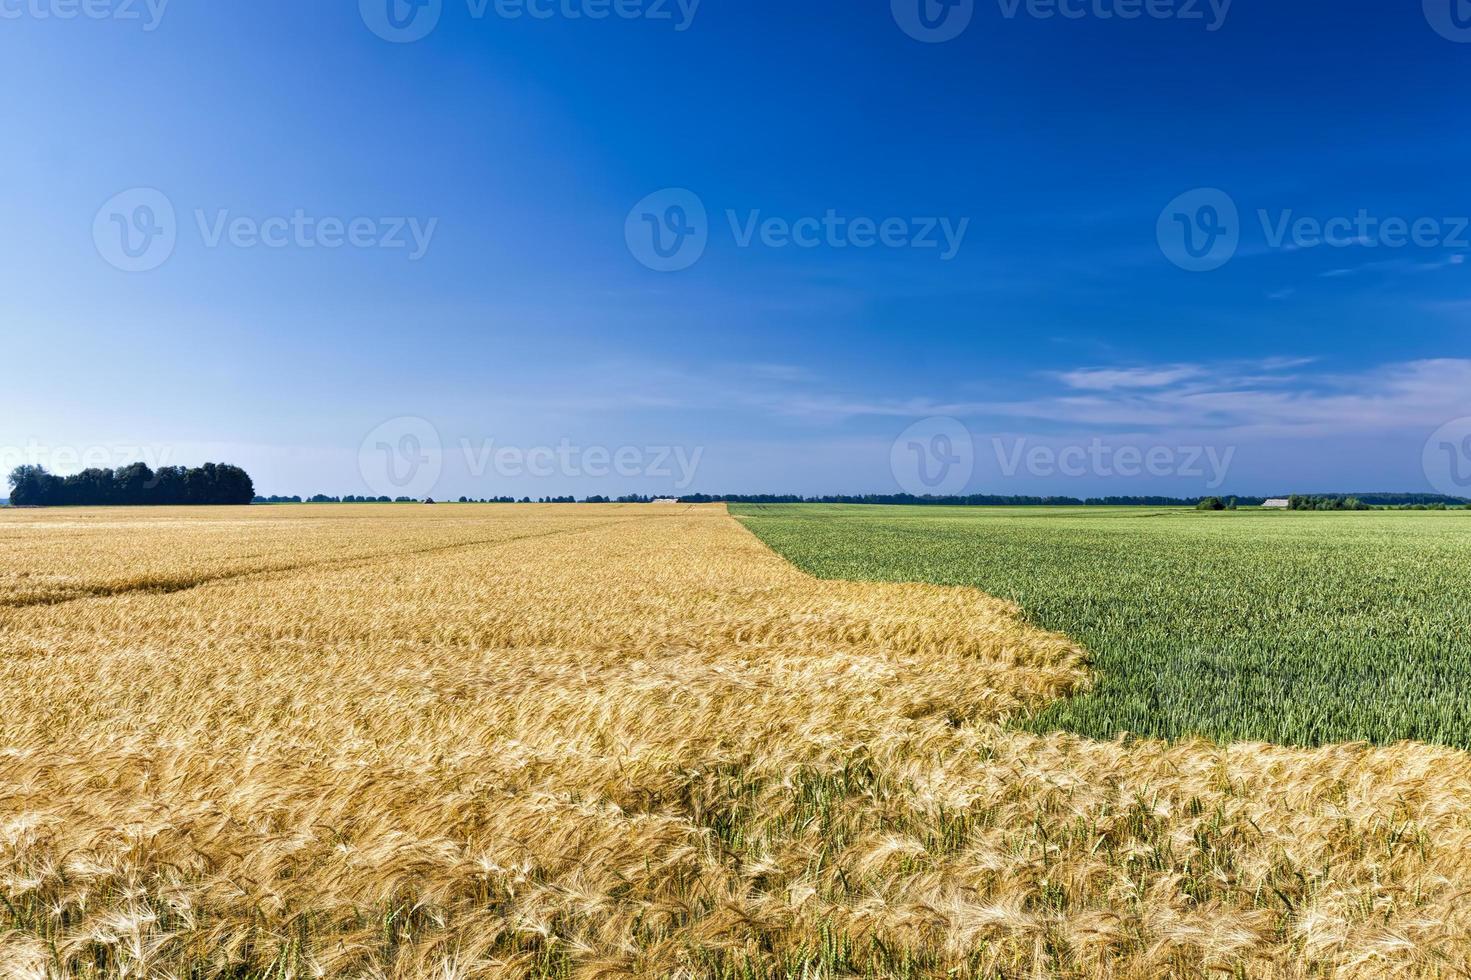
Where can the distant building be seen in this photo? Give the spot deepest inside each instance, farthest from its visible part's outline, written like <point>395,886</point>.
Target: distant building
<point>665,500</point>
<point>1276,504</point>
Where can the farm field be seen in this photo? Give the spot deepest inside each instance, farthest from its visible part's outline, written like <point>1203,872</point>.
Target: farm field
<point>603,741</point>
<point>1295,628</point>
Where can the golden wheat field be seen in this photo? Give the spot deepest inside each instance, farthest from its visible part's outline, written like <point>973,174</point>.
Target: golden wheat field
<point>603,741</point>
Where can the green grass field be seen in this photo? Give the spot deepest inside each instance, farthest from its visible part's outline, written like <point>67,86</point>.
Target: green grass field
<point>1295,628</point>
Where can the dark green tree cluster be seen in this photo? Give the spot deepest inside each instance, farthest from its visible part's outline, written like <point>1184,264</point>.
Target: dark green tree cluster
<point>132,485</point>
<point>1439,505</point>
<point>1304,502</point>
<point>1408,499</point>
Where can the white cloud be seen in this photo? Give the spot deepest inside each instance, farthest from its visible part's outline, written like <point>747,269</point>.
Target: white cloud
<point>1110,379</point>
<point>1228,398</point>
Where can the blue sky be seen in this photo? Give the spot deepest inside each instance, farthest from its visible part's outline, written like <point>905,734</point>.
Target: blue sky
<point>495,295</point>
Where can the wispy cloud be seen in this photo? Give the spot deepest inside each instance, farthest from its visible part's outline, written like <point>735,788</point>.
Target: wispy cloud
<point>1394,265</point>
<point>1112,379</point>
<point>778,372</point>
<point>1272,396</point>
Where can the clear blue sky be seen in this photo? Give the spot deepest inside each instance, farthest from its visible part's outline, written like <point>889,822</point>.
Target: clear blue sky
<point>519,145</point>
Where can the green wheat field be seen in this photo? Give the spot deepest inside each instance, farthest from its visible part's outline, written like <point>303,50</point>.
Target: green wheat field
<point>1288,627</point>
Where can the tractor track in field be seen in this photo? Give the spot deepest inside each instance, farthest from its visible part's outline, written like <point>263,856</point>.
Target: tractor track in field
<point>163,585</point>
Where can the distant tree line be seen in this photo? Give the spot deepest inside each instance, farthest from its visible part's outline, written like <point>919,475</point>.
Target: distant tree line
<point>1404,499</point>
<point>1371,502</point>
<point>972,500</point>
<point>132,485</point>
<point>969,500</point>
<point>1303,502</point>
<point>1202,503</point>
<point>322,498</point>
<point>1422,501</point>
